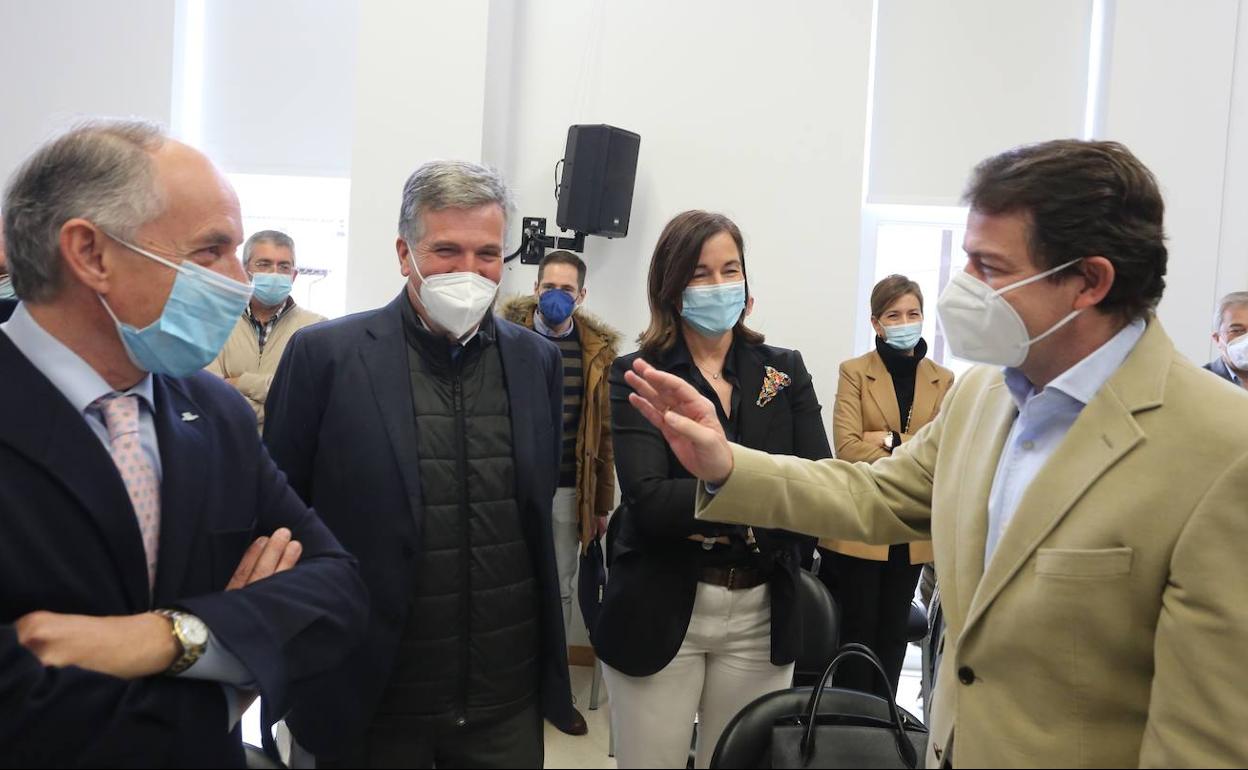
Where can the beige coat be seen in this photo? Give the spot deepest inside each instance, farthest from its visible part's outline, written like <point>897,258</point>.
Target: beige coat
<point>241,356</point>
<point>1110,628</point>
<point>595,457</point>
<point>866,401</point>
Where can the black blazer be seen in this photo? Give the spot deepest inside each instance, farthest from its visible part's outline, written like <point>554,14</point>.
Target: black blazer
<point>7,306</point>
<point>339,422</point>
<point>652,578</point>
<point>69,543</point>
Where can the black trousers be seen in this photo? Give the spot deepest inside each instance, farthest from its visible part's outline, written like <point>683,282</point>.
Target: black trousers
<point>874,597</point>
<point>402,741</point>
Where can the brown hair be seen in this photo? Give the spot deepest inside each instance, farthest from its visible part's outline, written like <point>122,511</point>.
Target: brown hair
<point>672,267</point>
<point>562,257</point>
<point>1083,199</point>
<point>891,289</point>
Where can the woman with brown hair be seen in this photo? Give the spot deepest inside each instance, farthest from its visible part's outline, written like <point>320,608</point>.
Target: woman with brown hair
<point>700,618</point>
<point>884,397</point>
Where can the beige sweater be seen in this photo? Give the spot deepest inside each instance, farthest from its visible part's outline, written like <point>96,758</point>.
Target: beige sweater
<point>241,357</point>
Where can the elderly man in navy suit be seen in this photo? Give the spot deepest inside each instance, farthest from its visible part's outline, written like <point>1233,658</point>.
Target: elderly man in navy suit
<point>156,571</point>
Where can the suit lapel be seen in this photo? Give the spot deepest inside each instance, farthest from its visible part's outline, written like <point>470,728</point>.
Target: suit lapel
<point>384,354</point>
<point>1105,431</point>
<point>755,420</point>
<point>37,421</point>
<point>996,416</point>
<point>880,386</point>
<point>185,448</point>
<point>926,391</point>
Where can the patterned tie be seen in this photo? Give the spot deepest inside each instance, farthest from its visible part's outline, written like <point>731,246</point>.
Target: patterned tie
<point>121,416</point>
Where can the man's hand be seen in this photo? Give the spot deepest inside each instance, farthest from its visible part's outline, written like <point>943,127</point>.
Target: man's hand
<point>686,419</point>
<point>600,526</point>
<point>266,557</point>
<point>875,438</point>
<point>125,646</point>
<point>232,380</point>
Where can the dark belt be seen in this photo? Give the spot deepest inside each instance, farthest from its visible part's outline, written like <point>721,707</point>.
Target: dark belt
<point>733,578</point>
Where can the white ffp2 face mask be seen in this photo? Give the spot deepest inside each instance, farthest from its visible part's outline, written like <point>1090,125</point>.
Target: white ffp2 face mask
<point>455,301</point>
<point>1237,352</point>
<point>981,326</point>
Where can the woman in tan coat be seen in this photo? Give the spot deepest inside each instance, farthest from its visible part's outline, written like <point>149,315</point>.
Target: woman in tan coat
<point>884,397</point>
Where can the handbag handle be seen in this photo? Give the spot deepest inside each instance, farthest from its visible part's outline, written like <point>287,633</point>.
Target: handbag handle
<point>854,650</point>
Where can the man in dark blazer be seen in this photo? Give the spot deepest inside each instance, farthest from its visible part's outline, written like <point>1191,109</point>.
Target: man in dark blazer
<point>138,618</point>
<point>8,300</point>
<point>427,434</point>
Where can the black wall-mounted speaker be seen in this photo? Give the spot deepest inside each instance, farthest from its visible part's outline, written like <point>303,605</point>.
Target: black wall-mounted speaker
<point>596,189</point>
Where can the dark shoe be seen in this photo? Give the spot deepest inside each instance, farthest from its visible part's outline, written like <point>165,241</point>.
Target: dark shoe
<point>573,725</point>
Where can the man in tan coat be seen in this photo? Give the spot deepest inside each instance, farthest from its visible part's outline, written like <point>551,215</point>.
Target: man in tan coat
<point>254,349</point>
<point>1085,495</point>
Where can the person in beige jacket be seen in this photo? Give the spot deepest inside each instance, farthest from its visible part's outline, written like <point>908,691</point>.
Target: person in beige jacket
<point>251,354</point>
<point>1086,504</point>
<point>883,399</point>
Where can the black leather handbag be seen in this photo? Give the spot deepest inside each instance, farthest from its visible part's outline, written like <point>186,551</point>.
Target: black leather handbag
<point>855,735</point>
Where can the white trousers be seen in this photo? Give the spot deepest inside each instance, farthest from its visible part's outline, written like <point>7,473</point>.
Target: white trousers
<point>567,548</point>
<point>723,664</point>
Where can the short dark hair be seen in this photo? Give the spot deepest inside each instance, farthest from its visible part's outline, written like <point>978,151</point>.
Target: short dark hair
<point>891,289</point>
<point>672,267</point>
<point>1083,199</point>
<point>562,257</point>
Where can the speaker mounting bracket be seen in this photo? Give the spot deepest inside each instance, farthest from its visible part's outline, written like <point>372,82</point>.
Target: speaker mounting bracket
<point>535,242</point>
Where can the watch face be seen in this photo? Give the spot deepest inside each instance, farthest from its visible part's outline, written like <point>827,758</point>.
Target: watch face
<point>193,630</point>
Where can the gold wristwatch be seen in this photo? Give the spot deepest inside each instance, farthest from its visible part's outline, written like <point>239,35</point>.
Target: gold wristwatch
<point>191,634</point>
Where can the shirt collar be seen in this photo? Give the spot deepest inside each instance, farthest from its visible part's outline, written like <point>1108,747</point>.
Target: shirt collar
<point>1082,381</point>
<point>539,325</point>
<point>68,372</point>
<point>281,311</point>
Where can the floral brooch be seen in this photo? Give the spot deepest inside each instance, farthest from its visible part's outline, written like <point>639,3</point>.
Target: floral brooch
<point>774,381</point>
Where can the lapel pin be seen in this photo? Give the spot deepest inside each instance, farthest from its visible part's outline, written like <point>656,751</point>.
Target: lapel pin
<point>189,417</point>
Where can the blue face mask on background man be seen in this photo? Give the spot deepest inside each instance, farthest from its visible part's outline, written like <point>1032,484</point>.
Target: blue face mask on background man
<point>713,310</point>
<point>556,306</point>
<point>271,289</point>
<point>6,288</point>
<point>199,315</point>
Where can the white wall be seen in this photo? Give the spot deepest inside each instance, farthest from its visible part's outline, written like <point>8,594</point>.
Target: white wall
<point>1168,93</point>
<point>957,82</point>
<point>757,111</point>
<point>1233,250</point>
<point>419,95</point>
<point>279,85</point>
<point>65,59</point>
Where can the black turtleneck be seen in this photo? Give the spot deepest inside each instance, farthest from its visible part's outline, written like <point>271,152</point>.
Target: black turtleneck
<point>902,369</point>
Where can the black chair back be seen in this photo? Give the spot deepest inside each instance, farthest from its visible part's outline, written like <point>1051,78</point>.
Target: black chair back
<point>821,629</point>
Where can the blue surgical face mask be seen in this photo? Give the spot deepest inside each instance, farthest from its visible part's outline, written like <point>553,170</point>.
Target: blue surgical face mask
<point>713,310</point>
<point>556,306</point>
<point>271,289</point>
<point>903,336</point>
<point>199,315</point>
<point>6,288</point>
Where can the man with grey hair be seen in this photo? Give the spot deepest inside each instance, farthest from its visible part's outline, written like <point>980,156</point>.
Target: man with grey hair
<point>250,356</point>
<point>155,569</point>
<point>427,433</point>
<point>1230,335</point>
<point>8,297</point>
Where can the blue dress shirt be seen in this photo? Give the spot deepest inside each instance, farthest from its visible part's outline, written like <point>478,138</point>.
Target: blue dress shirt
<point>1044,419</point>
